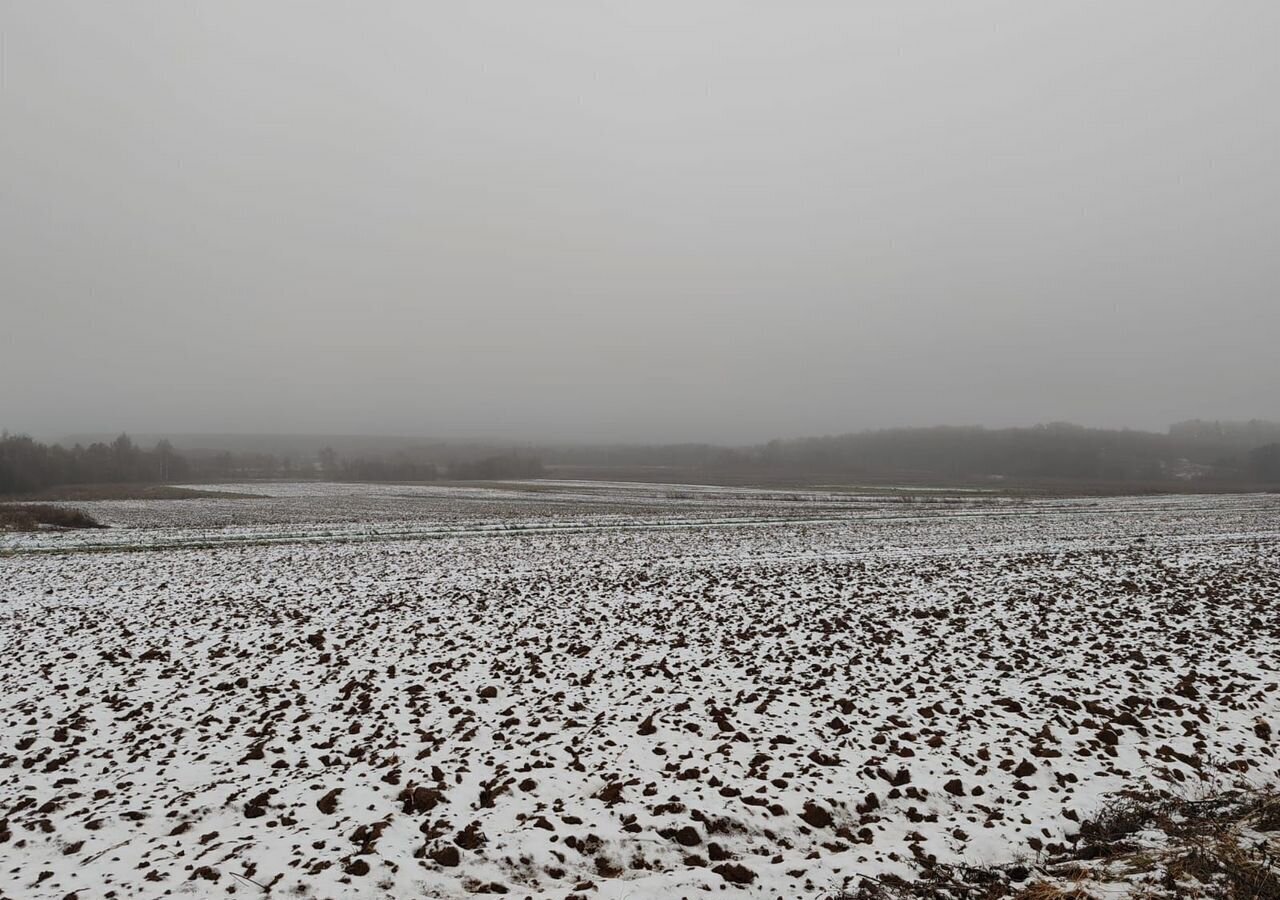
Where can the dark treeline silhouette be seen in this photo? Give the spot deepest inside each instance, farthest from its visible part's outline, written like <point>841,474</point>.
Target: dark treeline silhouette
<point>505,465</point>
<point>1264,463</point>
<point>246,466</point>
<point>406,465</point>
<point>27,466</point>
<point>1205,452</point>
<point>1053,451</point>
<point>658,456</point>
<point>396,469</point>
<point>1253,433</point>
<point>1229,454</point>
<point>1226,454</point>
<point>400,466</point>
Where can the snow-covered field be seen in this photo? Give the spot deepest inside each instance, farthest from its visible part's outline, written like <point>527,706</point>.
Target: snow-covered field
<point>628,691</point>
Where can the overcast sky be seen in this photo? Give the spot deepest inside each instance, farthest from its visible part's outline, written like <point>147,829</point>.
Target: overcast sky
<point>659,219</point>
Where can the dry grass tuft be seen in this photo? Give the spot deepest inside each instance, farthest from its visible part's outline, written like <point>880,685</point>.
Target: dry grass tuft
<point>1145,847</point>
<point>1044,890</point>
<point>35,516</point>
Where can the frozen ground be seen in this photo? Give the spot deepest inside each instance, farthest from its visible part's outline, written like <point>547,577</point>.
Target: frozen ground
<point>560,689</point>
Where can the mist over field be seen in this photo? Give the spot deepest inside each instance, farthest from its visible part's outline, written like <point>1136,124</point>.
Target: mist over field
<point>658,222</point>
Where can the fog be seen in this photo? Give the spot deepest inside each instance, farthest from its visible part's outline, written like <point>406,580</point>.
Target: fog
<point>615,221</point>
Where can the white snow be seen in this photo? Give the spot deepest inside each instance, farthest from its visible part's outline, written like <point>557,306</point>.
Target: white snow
<point>611,691</point>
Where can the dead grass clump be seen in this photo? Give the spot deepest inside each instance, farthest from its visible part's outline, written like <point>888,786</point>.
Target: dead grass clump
<point>1108,833</point>
<point>1223,868</point>
<point>34,516</point>
<point>1148,846</point>
<point>944,882</point>
<point>1044,890</point>
<point>1268,815</point>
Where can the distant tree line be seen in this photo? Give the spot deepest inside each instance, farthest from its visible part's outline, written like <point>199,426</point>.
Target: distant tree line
<point>503,465</point>
<point>1253,433</point>
<point>1264,462</point>
<point>1212,452</point>
<point>1058,451</point>
<point>395,469</point>
<point>1231,453</point>
<point>1051,451</point>
<point>403,466</point>
<point>27,466</point>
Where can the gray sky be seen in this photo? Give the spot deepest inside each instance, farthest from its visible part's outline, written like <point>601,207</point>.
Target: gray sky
<point>665,220</point>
